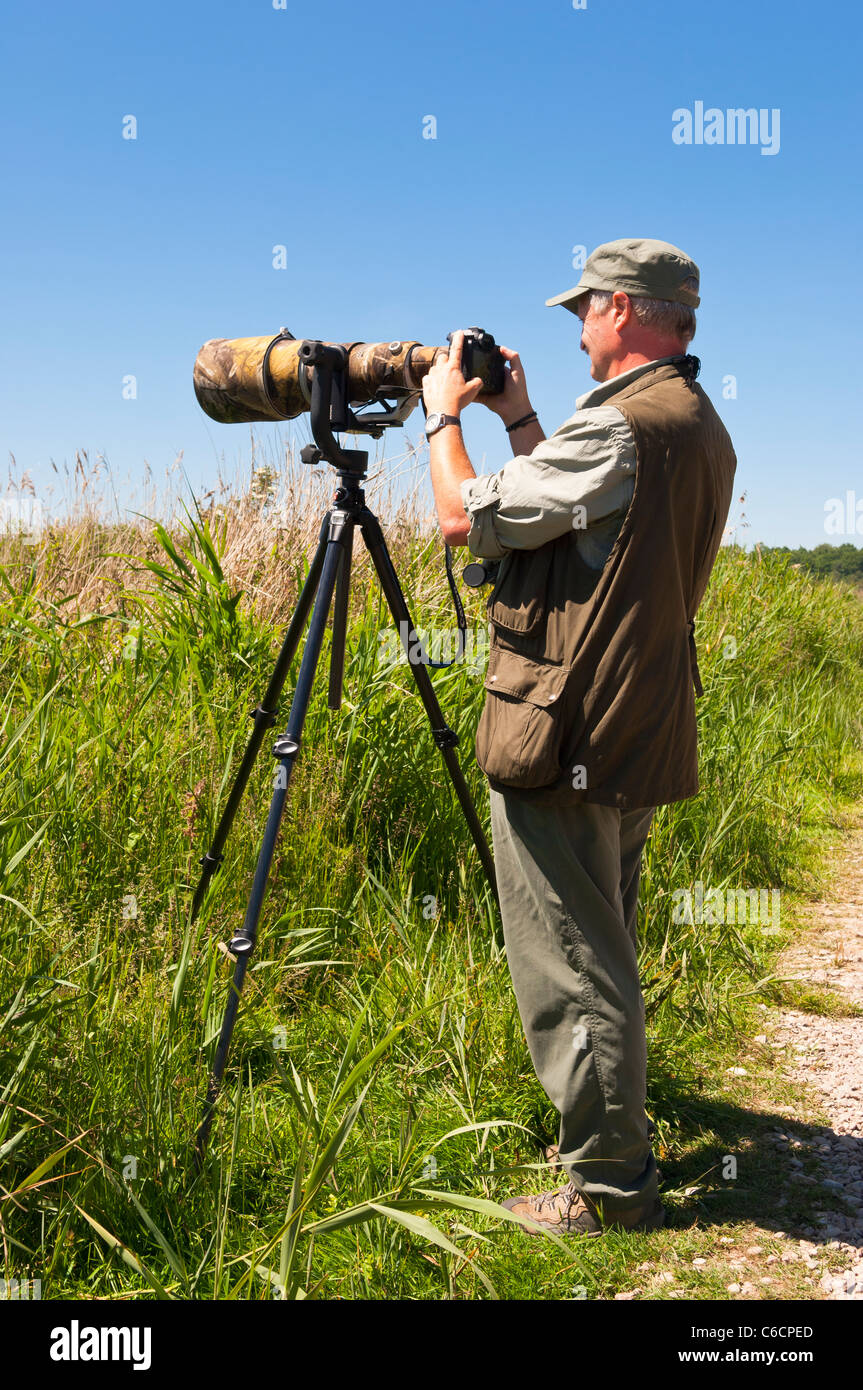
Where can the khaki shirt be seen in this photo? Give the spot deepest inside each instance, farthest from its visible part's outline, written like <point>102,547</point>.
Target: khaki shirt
<point>582,477</point>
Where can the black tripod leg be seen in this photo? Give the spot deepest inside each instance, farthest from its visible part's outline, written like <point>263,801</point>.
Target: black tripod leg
<point>286,748</point>
<point>264,717</point>
<point>340,626</point>
<point>445,738</point>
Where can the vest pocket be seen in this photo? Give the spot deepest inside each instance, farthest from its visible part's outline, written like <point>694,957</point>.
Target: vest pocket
<point>521,727</point>
<point>518,602</point>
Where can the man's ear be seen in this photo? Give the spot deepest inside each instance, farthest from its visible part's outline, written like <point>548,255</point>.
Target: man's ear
<point>621,306</point>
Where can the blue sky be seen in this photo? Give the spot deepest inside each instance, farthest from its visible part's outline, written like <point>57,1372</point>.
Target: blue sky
<point>303,126</point>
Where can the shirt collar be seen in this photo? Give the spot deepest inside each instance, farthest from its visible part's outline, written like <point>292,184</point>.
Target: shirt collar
<point>607,388</point>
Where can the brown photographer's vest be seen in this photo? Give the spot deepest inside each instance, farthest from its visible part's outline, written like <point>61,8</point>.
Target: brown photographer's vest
<point>590,678</point>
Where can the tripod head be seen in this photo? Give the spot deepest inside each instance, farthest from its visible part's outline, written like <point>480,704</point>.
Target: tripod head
<point>330,410</point>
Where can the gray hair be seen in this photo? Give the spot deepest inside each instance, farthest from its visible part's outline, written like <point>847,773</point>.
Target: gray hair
<point>662,315</point>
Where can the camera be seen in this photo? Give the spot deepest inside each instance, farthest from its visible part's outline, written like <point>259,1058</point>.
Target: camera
<point>482,357</point>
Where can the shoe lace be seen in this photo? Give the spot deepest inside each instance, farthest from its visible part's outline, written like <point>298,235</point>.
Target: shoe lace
<point>570,1192</point>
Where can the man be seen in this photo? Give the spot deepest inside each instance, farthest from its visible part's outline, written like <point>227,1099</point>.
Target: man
<point>606,534</point>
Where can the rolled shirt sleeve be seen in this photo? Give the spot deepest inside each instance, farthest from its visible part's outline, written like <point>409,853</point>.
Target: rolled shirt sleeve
<point>580,477</point>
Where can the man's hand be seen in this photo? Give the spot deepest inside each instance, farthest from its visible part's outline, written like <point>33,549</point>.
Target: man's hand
<point>444,386</point>
<point>513,402</point>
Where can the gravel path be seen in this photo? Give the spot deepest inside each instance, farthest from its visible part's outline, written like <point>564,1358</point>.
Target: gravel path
<point>826,1054</point>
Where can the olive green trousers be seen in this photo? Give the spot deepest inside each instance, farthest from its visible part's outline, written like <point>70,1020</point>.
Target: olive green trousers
<point>568,880</point>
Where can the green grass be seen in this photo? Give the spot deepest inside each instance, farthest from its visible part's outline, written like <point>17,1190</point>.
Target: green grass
<point>379,1097</point>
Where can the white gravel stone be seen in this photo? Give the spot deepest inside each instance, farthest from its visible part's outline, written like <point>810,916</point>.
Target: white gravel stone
<point>825,1056</point>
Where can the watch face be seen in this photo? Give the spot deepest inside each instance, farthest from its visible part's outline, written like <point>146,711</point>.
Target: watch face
<point>432,423</point>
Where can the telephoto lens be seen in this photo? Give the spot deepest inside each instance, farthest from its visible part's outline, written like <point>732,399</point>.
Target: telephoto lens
<point>238,380</point>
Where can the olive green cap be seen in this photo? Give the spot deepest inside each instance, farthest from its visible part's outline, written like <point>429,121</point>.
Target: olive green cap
<point>638,266</point>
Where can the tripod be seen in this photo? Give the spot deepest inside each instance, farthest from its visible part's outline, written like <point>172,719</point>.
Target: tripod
<point>326,587</point>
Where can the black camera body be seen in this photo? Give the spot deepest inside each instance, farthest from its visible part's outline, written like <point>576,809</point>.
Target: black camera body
<point>481,357</point>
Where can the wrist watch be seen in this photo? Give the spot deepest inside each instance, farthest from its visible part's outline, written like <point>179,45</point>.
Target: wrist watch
<point>435,422</point>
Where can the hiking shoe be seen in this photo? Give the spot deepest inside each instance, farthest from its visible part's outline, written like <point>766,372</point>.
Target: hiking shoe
<point>565,1212</point>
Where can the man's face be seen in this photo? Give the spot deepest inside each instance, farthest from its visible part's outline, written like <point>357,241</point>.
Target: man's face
<point>598,338</point>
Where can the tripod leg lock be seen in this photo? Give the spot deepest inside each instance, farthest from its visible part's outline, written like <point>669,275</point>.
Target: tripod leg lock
<point>445,738</point>
<point>240,945</point>
<point>214,859</point>
<point>286,747</point>
<point>265,717</point>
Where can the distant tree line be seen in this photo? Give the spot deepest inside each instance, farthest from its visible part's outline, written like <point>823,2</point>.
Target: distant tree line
<point>835,561</point>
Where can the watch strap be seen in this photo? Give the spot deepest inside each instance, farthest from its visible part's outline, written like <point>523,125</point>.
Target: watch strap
<point>444,420</point>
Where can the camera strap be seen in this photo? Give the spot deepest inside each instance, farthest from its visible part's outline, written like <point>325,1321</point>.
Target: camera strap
<point>459,614</point>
